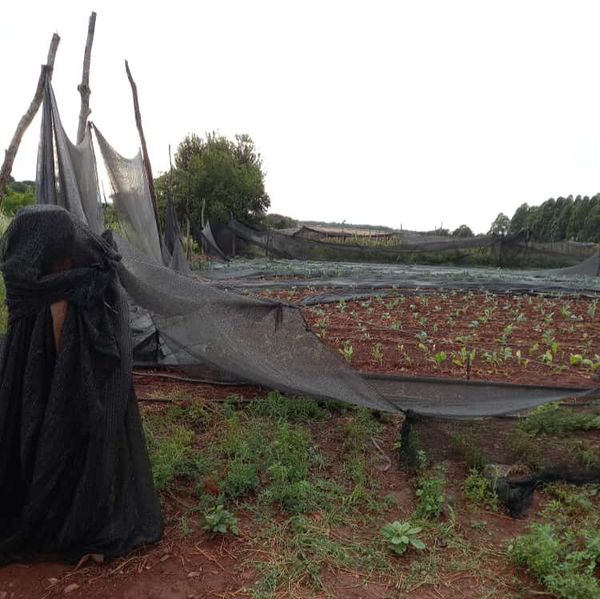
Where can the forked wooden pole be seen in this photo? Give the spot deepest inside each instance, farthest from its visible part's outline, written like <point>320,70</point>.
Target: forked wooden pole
<point>146,157</point>
<point>11,153</point>
<point>84,87</point>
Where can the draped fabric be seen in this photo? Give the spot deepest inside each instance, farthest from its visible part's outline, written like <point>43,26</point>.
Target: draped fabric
<point>74,471</point>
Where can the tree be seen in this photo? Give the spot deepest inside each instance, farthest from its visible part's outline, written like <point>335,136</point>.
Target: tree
<point>216,178</point>
<point>278,221</point>
<point>520,220</point>
<point>500,225</point>
<point>18,195</point>
<point>462,231</point>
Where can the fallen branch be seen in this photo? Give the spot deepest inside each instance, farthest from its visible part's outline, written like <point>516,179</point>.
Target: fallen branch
<point>11,153</point>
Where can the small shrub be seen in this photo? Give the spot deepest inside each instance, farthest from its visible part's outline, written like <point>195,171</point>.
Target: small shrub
<point>400,536</point>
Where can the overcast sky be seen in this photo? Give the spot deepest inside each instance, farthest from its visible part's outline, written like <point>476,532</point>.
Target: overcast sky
<point>381,112</point>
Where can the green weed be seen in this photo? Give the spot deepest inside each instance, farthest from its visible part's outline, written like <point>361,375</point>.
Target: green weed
<point>400,536</point>
<point>480,490</point>
<point>430,495</point>
<point>556,420</point>
<point>564,562</point>
<point>218,520</point>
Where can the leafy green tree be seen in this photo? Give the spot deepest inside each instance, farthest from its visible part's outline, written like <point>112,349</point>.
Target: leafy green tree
<point>500,226</point>
<point>520,220</point>
<point>462,231</point>
<point>217,178</point>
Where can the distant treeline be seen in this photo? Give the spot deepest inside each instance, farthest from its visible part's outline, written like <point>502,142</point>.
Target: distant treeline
<point>564,218</point>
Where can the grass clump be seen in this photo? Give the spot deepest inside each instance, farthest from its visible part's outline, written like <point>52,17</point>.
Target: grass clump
<point>174,456</point>
<point>295,409</point>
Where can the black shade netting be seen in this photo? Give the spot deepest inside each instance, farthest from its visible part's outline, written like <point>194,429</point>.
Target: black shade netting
<point>515,460</point>
<point>74,470</point>
<point>517,249</point>
<point>257,341</point>
<point>174,256</point>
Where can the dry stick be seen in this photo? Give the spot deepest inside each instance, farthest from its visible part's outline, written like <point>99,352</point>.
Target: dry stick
<point>84,87</point>
<point>146,157</point>
<point>11,153</point>
<point>187,379</point>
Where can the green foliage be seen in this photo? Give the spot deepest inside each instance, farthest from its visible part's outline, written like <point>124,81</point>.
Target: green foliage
<point>218,520</point>
<point>554,419</point>
<point>377,353</point>
<point>479,490</point>
<point>462,231</point>
<point>277,221</point>
<point>18,195</point>
<point>293,409</point>
<point>400,536</point>
<point>500,226</point>
<point>430,495</point>
<point>347,351</point>
<point>564,218</point>
<point>226,174</point>
<point>240,478</point>
<point>564,563</point>
<point>173,456</point>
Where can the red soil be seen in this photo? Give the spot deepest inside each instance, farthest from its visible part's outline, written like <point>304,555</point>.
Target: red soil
<point>386,335</point>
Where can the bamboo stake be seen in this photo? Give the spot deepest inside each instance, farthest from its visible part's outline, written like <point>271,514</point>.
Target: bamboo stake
<point>84,87</point>
<point>146,157</point>
<point>11,153</point>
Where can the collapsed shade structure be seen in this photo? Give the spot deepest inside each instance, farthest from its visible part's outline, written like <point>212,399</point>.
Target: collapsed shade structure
<point>185,321</point>
<point>261,342</point>
<point>74,471</point>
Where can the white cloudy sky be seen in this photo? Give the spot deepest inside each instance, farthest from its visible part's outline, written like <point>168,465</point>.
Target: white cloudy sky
<point>382,112</point>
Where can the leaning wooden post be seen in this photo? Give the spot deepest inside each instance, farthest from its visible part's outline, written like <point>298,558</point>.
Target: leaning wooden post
<point>84,87</point>
<point>146,157</point>
<point>11,152</point>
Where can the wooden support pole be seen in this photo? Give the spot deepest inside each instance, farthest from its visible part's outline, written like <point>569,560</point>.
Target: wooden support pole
<point>84,87</point>
<point>11,153</point>
<point>145,156</point>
